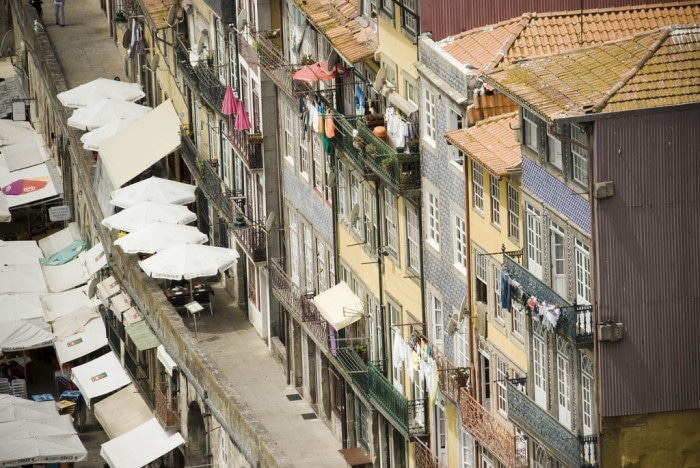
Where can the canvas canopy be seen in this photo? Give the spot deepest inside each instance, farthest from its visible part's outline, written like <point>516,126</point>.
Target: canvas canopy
<point>92,338</point>
<point>58,304</point>
<point>140,446</point>
<point>100,376</point>
<point>339,306</point>
<point>122,412</point>
<point>58,240</point>
<point>61,278</point>
<point>20,335</point>
<point>27,278</point>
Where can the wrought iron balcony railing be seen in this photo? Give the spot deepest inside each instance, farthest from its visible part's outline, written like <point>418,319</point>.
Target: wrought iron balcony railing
<point>249,146</point>
<point>284,289</point>
<point>589,451</point>
<point>425,458</point>
<point>166,410</point>
<point>542,426</point>
<point>401,170</point>
<point>271,57</point>
<point>584,325</point>
<point>201,77</point>
<point>408,416</point>
<point>489,431</point>
<point>451,378</point>
<point>253,237</point>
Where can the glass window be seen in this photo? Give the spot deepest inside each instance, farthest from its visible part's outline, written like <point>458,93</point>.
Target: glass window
<point>518,318</point>
<point>563,383</point>
<point>539,365</point>
<point>436,317</point>
<point>370,220</point>
<point>309,259</point>
<point>579,155</point>
<point>534,241</point>
<point>454,122</point>
<point>390,220</point>
<point>342,193</point>
<point>513,212</point>
<point>429,116</point>
<point>583,273</point>
<point>289,133</point>
<point>304,157</point>
<point>411,90</point>
<point>557,251</point>
<point>501,377</point>
<point>466,445</point>
<point>495,201</point>
<point>460,243</point>
<point>363,424</point>
<point>387,7</point>
<point>412,239</point>
<point>355,200</point>
<point>433,221</point>
<point>498,311</point>
<point>461,344</point>
<point>409,16</point>
<point>587,394</point>
<point>554,151</point>
<point>530,130</point>
<point>293,246</point>
<point>220,45</point>
<point>481,277</point>
<point>319,169</point>
<point>477,187</point>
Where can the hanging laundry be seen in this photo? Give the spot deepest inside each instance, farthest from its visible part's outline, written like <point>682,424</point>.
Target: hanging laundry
<point>415,360</point>
<point>330,125</point>
<point>505,290</point>
<point>331,335</point>
<point>397,351</point>
<point>550,316</point>
<point>359,100</point>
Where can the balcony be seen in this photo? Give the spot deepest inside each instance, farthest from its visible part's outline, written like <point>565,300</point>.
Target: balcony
<point>450,377</point>
<point>252,238</point>
<point>249,146</point>
<point>543,427</point>
<point>268,45</point>
<point>284,290</point>
<point>408,416</point>
<point>424,457</point>
<point>489,431</point>
<point>166,410</point>
<point>403,173</point>
<point>201,78</point>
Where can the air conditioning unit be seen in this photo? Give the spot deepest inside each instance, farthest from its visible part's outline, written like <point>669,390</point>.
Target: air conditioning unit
<point>611,331</point>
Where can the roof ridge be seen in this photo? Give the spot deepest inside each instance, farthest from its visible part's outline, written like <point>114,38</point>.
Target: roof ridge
<point>524,21</point>
<point>620,9</point>
<point>665,33</point>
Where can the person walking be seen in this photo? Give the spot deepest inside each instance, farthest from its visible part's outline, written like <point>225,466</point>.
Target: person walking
<point>58,11</point>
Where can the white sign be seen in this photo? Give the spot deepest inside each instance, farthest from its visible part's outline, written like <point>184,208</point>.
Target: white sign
<point>59,213</point>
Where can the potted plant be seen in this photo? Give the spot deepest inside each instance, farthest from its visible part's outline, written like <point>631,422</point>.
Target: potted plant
<point>371,150</point>
<point>413,145</point>
<point>361,351</point>
<point>388,164</point>
<point>358,142</point>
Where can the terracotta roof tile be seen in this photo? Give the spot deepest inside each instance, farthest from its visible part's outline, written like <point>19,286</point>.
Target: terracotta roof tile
<point>157,12</point>
<point>542,34</point>
<point>336,20</point>
<point>651,69</point>
<point>491,142</point>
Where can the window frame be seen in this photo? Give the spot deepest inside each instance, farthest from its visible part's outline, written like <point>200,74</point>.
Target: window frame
<point>412,239</point>
<point>437,318</point>
<point>513,212</point>
<point>582,260</point>
<point>579,156</point>
<point>495,193</point>
<point>530,126</point>
<point>478,187</point>
<point>433,220</point>
<point>460,248</point>
<point>391,239</point>
<point>534,240</point>
<point>410,17</point>
<point>429,117</point>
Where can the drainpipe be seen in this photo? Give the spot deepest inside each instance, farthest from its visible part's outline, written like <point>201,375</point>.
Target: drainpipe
<point>380,268</point>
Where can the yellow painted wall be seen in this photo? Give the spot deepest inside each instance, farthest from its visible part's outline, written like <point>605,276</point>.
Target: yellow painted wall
<point>398,49</point>
<point>453,424</point>
<point>506,347</point>
<point>653,440</point>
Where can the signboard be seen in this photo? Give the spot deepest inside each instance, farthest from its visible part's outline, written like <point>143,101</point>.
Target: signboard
<point>59,213</point>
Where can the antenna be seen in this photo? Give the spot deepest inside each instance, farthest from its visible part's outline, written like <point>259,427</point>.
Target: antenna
<point>172,15</point>
<point>452,326</point>
<point>354,214</point>
<point>332,60</point>
<point>379,81</point>
<point>126,38</point>
<point>6,44</point>
<point>271,221</point>
<point>242,20</point>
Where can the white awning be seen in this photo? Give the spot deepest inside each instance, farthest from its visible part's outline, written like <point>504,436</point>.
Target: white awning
<point>24,154</point>
<point>166,360</point>
<point>139,146</point>
<point>61,278</point>
<point>107,288</point>
<point>19,252</point>
<point>29,185</point>
<point>74,322</point>
<point>20,335</point>
<point>57,304</point>
<point>22,279</point>
<point>339,306</point>
<point>91,339</point>
<point>122,412</point>
<point>58,240</point>
<point>20,307</point>
<point>94,258</point>
<point>140,446</point>
<point>100,376</point>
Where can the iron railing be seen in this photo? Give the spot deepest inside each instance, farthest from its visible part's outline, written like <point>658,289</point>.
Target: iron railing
<point>424,457</point>
<point>542,426</point>
<point>408,416</point>
<point>271,57</point>
<point>589,451</point>
<point>201,78</point>
<point>451,378</point>
<point>403,172</point>
<point>489,431</point>
<point>166,409</point>
<point>584,325</point>
<point>284,289</point>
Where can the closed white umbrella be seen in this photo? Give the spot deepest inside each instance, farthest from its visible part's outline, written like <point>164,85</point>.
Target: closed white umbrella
<point>19,252</point>
<point>145,213</point>
<point>159,236</point>
<point>101,88</point>
<point>20,335</point>
<point>105,111</point>
<point>189,261</point>
<point>154,189</point>
<point>91,140</point>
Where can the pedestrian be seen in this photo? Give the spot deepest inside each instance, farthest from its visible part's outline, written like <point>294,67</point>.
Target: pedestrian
<point>37,5</point>
<point>58,10</point>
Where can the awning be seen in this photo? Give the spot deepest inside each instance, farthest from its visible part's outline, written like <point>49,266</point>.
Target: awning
<point>22,279</point>
<point>94,259</point>
<point>138,147</point>
<point>10,87</point>
<point>20,335</point>
<point>140,446</point>
<point>339,306</point>
<point>61,278</point>
<point>58,304</point>
<point>20,307</point>
<point>74,322</point>
<point>91,339</point>
<point>119,304</point>
<point>58,240</point>
<point>29,185</point>
<point>166,360</point>
<point>100,376</point>
<point>107,288</point>
<point>24,154</point>
<point>122,412</point>
<point>142,336</point>
<point>318,72</point>
<point>19,252</point>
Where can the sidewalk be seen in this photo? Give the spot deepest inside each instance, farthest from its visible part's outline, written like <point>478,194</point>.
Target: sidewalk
<point>85,52</point>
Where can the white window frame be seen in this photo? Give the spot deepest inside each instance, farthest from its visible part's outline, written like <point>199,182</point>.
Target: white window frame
<point>411,90</point>
<point>289,142</point>
<point>557,261</point>
<point>220,44</point>
<point>534,240</point>
<point>309,273</point>
<point>554,151</point>
<point>226,153</point>
<point>461,344</point>
<point>304,162</point>
<point>466,448</point>
<point>355,200</point>
<point>437,316</point>
<point>395,321</point>
<point>319,170</point>
<point>563,383</point>
<point>583,272</point>
<point>513,212</point>
<point>587,394</point>
<point>539,365</point>
<point>498,312</point>
<point>579,156</point>
<point>293,246</point>
<point>518,319</point>
<point>459,234</point>
<point>501,395</point>
<point>342,193</point>
<point>433,221</point>
<point>530,133</point>
<point>495,201</point>
<point>478,187</point>
<point>412,239</point>
<point>441,430</point>
<point>429,117</point>
<point>370,218</point>
<point>455,122</point>
<point>391,222</point>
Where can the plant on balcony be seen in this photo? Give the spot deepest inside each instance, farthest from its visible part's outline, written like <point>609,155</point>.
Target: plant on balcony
<point>388,164</point>
<point>307,59</point>
<point>460,375</point>
<point>371,150</point>
<point>358,142</point>
<point>255,138</point>
<point>361,351</point>
<point>413,145</point>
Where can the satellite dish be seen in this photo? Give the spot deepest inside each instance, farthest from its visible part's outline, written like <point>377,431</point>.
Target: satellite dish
<point>379,81</point>
<point>172,15</point>
<point>155,62</point>
<point>126,38</point>
<point>92,288</point>
<point>201,43</point>
<point>463,312</point>
<point>242,20</point>
<point>271,221</point>
<point>452,326</point>
<point>332,177</point>
<point>333,60</point>
<point>8,40</point>
<point>355,214</point>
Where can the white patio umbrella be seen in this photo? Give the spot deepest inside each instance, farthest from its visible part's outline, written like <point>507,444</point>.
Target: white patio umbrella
<point>189,261</point>
<point>159,236</point>
<point>20,307</point>
<point>91,140</point>
<point>20,335</point>
<point>105,111</point>
<point>154,189</point>
<point>101,88</point>
<point>27,278</point>
<point>19,252</point>
<point>148,212</point>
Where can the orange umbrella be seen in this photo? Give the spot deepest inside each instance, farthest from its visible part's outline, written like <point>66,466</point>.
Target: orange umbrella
<point>318,72</point>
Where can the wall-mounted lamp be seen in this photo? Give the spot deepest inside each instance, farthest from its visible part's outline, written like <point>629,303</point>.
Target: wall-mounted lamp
<point>239,223</point>
<point>120,18</point>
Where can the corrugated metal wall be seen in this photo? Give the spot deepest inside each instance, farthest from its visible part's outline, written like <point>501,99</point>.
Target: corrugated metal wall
<point>647,274</point>
<point>448,17</point>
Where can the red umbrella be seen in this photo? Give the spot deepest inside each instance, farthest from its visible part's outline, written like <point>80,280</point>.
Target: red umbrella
<point>242,121</point>
<point>228,107</point>
<point>318,72</point>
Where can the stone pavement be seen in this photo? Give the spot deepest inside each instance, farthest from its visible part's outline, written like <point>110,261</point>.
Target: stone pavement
<point>85,52</point>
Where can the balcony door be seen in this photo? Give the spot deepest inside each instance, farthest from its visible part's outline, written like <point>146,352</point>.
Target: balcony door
<point>564,383</point>
<point>558,259</point>
<point>539,365</point>
<point>441,430</point>
<point>534,241</point>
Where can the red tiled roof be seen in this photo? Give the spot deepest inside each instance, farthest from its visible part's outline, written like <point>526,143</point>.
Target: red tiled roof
<point>542,34</point>
<point>652,69</point>
<point>491,143</point>
<point>157,11</point>
<point>336,20</point>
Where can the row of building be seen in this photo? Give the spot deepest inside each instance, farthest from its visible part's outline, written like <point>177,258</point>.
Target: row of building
<point>465,228</point>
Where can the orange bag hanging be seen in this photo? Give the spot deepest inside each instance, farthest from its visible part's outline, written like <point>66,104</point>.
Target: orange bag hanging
<point>330,126</point>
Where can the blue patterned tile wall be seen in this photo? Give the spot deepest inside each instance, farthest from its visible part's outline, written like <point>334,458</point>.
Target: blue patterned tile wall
<point>297,192</point>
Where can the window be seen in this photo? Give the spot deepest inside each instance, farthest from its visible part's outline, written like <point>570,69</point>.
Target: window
<point>342,193</point>
<point>220,51</point>
<point>539,365</point>
<point>289,133</point>
<point>321,266</point>
<point>418,393</point>
<point>390,67</point>
<point>226,153</point>
<point>232,57</point>
<point>412,239</point>
<point>454,122</point>
<point>433,221</point>
<point>513,212</point>
<point>309,259</point>
<point>390,220</point>
<point>212,142</point>
<point>318,167</point>
<point>530,130</point>
<point>495,201</point>
<point>441,431</point>
<point>579,155</point>
<point>293,246</point>
<point>363,425</point>
<point>429,116</point>
<point>355,200</point>
<point>498,311</point>
<point>466,446</point>
<point>583,273</point>
<point>563,383</point>
<point>411,90</point>
<point>436,317</point>
<point>253,284</point>
<point>304,157</point>
<point>394,313</point>
<point>460,243</point>
<point>518,318</point>
<point>501,377</point>
<point>558,259</point>
<point>370,220</point>
<point>409,16</point>
<point>478,187</point>
<point>461,344</point>
<point>587,394</point>
<point>387,7</point>
<point>534,241</point>
<point>554,151</point>
<point>481,277</point>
